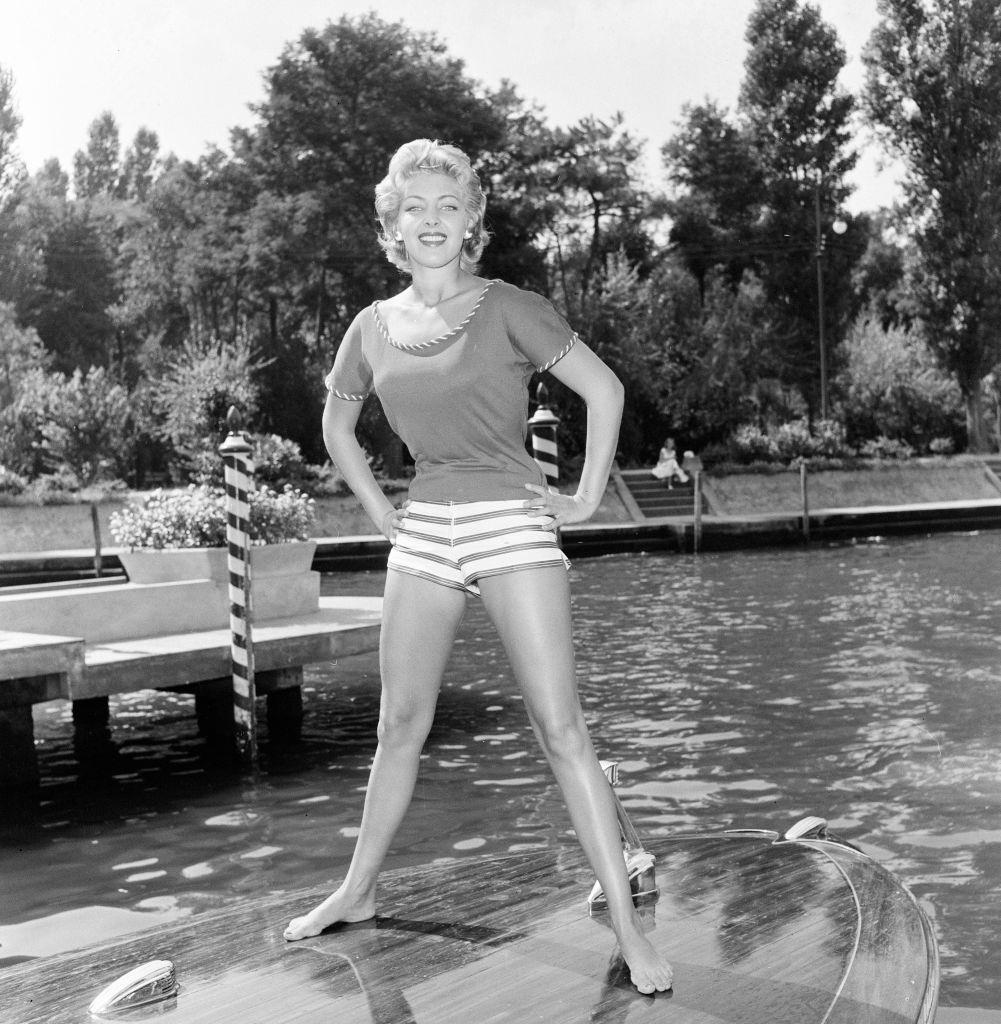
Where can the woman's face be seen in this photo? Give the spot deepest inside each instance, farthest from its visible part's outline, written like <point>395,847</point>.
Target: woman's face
<point>433,221</point>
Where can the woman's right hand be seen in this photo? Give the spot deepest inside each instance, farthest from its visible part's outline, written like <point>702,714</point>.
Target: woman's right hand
<point>391,523</point>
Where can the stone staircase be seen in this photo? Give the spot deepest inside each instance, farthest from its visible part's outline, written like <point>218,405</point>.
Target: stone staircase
<point>654,498</point>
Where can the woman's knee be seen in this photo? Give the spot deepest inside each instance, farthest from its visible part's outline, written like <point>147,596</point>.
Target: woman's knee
<point>404,726</point>
<point>564,737</point>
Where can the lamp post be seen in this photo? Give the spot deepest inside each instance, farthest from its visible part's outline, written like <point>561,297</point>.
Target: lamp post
<point>839,227</point>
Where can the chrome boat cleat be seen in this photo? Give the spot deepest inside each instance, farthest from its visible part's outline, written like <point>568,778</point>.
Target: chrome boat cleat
<point>639,863</point>
<point>151,982</point>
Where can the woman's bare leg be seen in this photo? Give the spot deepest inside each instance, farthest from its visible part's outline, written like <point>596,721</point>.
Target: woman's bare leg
<point>419,621</point>
<point>531,611</point>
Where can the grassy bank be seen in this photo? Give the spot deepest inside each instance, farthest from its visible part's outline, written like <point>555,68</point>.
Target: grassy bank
<point>915,482</point>
<point>26,528</point>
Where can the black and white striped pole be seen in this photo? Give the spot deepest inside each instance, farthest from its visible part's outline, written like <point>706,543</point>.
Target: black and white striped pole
<point>543,425</point>
<point>239,473</point>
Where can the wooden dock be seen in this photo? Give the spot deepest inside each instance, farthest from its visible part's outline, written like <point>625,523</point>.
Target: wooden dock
<point>39,667</point>
<point>760,931</point>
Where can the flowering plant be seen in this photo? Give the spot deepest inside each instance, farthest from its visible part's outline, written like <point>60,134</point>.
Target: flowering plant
<point>196,518</point>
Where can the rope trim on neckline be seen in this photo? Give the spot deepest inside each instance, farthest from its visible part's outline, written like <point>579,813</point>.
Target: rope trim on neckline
<point>433,341</point>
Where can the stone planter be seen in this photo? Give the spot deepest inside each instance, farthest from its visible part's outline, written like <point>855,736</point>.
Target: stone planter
<point>171,565</point>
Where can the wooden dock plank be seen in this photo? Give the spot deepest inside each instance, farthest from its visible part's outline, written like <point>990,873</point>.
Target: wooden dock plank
<point>341,627</point>
<point>39,654</point>
<point>758,932</point>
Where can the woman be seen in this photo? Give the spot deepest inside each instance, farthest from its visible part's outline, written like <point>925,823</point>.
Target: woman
<point>450,358</point>
<point>668,466</point>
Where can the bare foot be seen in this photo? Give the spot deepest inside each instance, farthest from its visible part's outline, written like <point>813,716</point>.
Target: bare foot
<point>649,970</point>
<point>339,906</point>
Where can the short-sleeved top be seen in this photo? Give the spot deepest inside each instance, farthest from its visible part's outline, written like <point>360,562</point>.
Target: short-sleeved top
<point>460,401</point>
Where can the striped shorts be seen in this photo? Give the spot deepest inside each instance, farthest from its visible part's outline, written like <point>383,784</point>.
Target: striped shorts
<point>455,543</point>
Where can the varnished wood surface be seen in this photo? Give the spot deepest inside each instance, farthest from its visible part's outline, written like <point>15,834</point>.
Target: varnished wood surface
<point>757,932</point>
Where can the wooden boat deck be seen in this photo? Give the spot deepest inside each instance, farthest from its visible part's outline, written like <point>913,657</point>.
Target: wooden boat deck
<point>758,931</point>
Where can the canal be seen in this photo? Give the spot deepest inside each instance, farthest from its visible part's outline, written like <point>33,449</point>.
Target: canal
<point>858,682</point>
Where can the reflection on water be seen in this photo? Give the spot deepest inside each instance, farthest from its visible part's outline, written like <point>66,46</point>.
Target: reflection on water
<point>858,682</point>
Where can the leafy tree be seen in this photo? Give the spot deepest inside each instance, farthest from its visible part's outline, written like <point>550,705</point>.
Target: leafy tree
<point>69,306</point>
<point>933,92</point>
<point>199,382</point>
<point>891,386</point>
<point>799,120</point>
<point>338,103</point>
<point>599,205</point>
<point>97,169</point>
<point>21,351</point>
<point>24,367</point>
<point>86,426</point>
<point>11,168</point>
<point>140,165</point>
<point>713,165</point>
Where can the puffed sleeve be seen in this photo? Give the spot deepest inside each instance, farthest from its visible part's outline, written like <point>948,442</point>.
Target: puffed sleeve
<point>536,330</point>
<point>351,377</point>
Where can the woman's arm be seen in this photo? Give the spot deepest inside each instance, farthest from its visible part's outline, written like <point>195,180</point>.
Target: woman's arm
<point>340,418</point>
<point>584,373</point>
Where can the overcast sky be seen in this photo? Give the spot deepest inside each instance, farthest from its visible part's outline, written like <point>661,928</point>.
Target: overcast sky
<point>188,69</point>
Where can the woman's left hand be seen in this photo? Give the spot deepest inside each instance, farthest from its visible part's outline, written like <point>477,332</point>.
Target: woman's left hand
<point>561,509</point>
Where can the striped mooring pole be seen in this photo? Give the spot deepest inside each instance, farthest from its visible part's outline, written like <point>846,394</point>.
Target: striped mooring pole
<point>543,425</point>
<point>239,473</point>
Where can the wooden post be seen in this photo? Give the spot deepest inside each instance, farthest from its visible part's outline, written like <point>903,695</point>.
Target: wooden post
<point>543,425</point>
<point>806,502</point>
<point>239,480</point>
<point>697,511</point>
<point>95,522</point>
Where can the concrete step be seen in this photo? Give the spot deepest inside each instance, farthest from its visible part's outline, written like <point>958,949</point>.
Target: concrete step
<point>655,498</point>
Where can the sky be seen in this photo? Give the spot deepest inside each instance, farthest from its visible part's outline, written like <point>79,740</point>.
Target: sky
<point>188,69</point>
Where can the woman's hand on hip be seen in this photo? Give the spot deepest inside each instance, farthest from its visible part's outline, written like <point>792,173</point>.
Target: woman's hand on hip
<point>391,523</point>
<point>561,509</point>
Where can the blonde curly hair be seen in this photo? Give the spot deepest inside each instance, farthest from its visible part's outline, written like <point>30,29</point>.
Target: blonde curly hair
<point>430,155</point>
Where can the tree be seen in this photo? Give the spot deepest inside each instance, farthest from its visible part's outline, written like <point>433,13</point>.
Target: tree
<point>933,92</point>
<point>892,387</point>
<point>599,206</point>
<point>97,169</point>
<point>140,165</point>
<point>69,306</point>
<point>798,119</point>
<point>338,103</point>
<point>713,165</point>
<point>86,427</point>
<point>11,168</point>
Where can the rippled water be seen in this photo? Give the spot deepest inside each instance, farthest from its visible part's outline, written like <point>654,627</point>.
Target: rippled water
<point>857,682</point>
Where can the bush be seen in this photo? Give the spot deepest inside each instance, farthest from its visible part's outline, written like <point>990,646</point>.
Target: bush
<point>197,518</point>
<point>87,423</point>
<point>752,444</point>
<point>786,443</point>
<point>10,482</point>
<point>892,386</point>
<point>886,448</point>
<point>202,380</point>
<point>830,440</point>
<point>793,441</point>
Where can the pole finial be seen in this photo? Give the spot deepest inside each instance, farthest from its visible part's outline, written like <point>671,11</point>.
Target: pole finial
<point>236,440</point>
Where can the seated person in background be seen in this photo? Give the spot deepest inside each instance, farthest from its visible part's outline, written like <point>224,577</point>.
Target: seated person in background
<point>667,467</point>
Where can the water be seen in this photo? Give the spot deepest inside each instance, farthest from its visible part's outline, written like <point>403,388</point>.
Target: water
<point>858,682</point>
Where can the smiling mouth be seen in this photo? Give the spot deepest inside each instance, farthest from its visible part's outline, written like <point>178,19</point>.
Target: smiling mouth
<point>433,238</point>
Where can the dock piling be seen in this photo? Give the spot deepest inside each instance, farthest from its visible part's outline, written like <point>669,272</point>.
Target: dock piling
<point>543,424</point>
<point>239,470</point>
